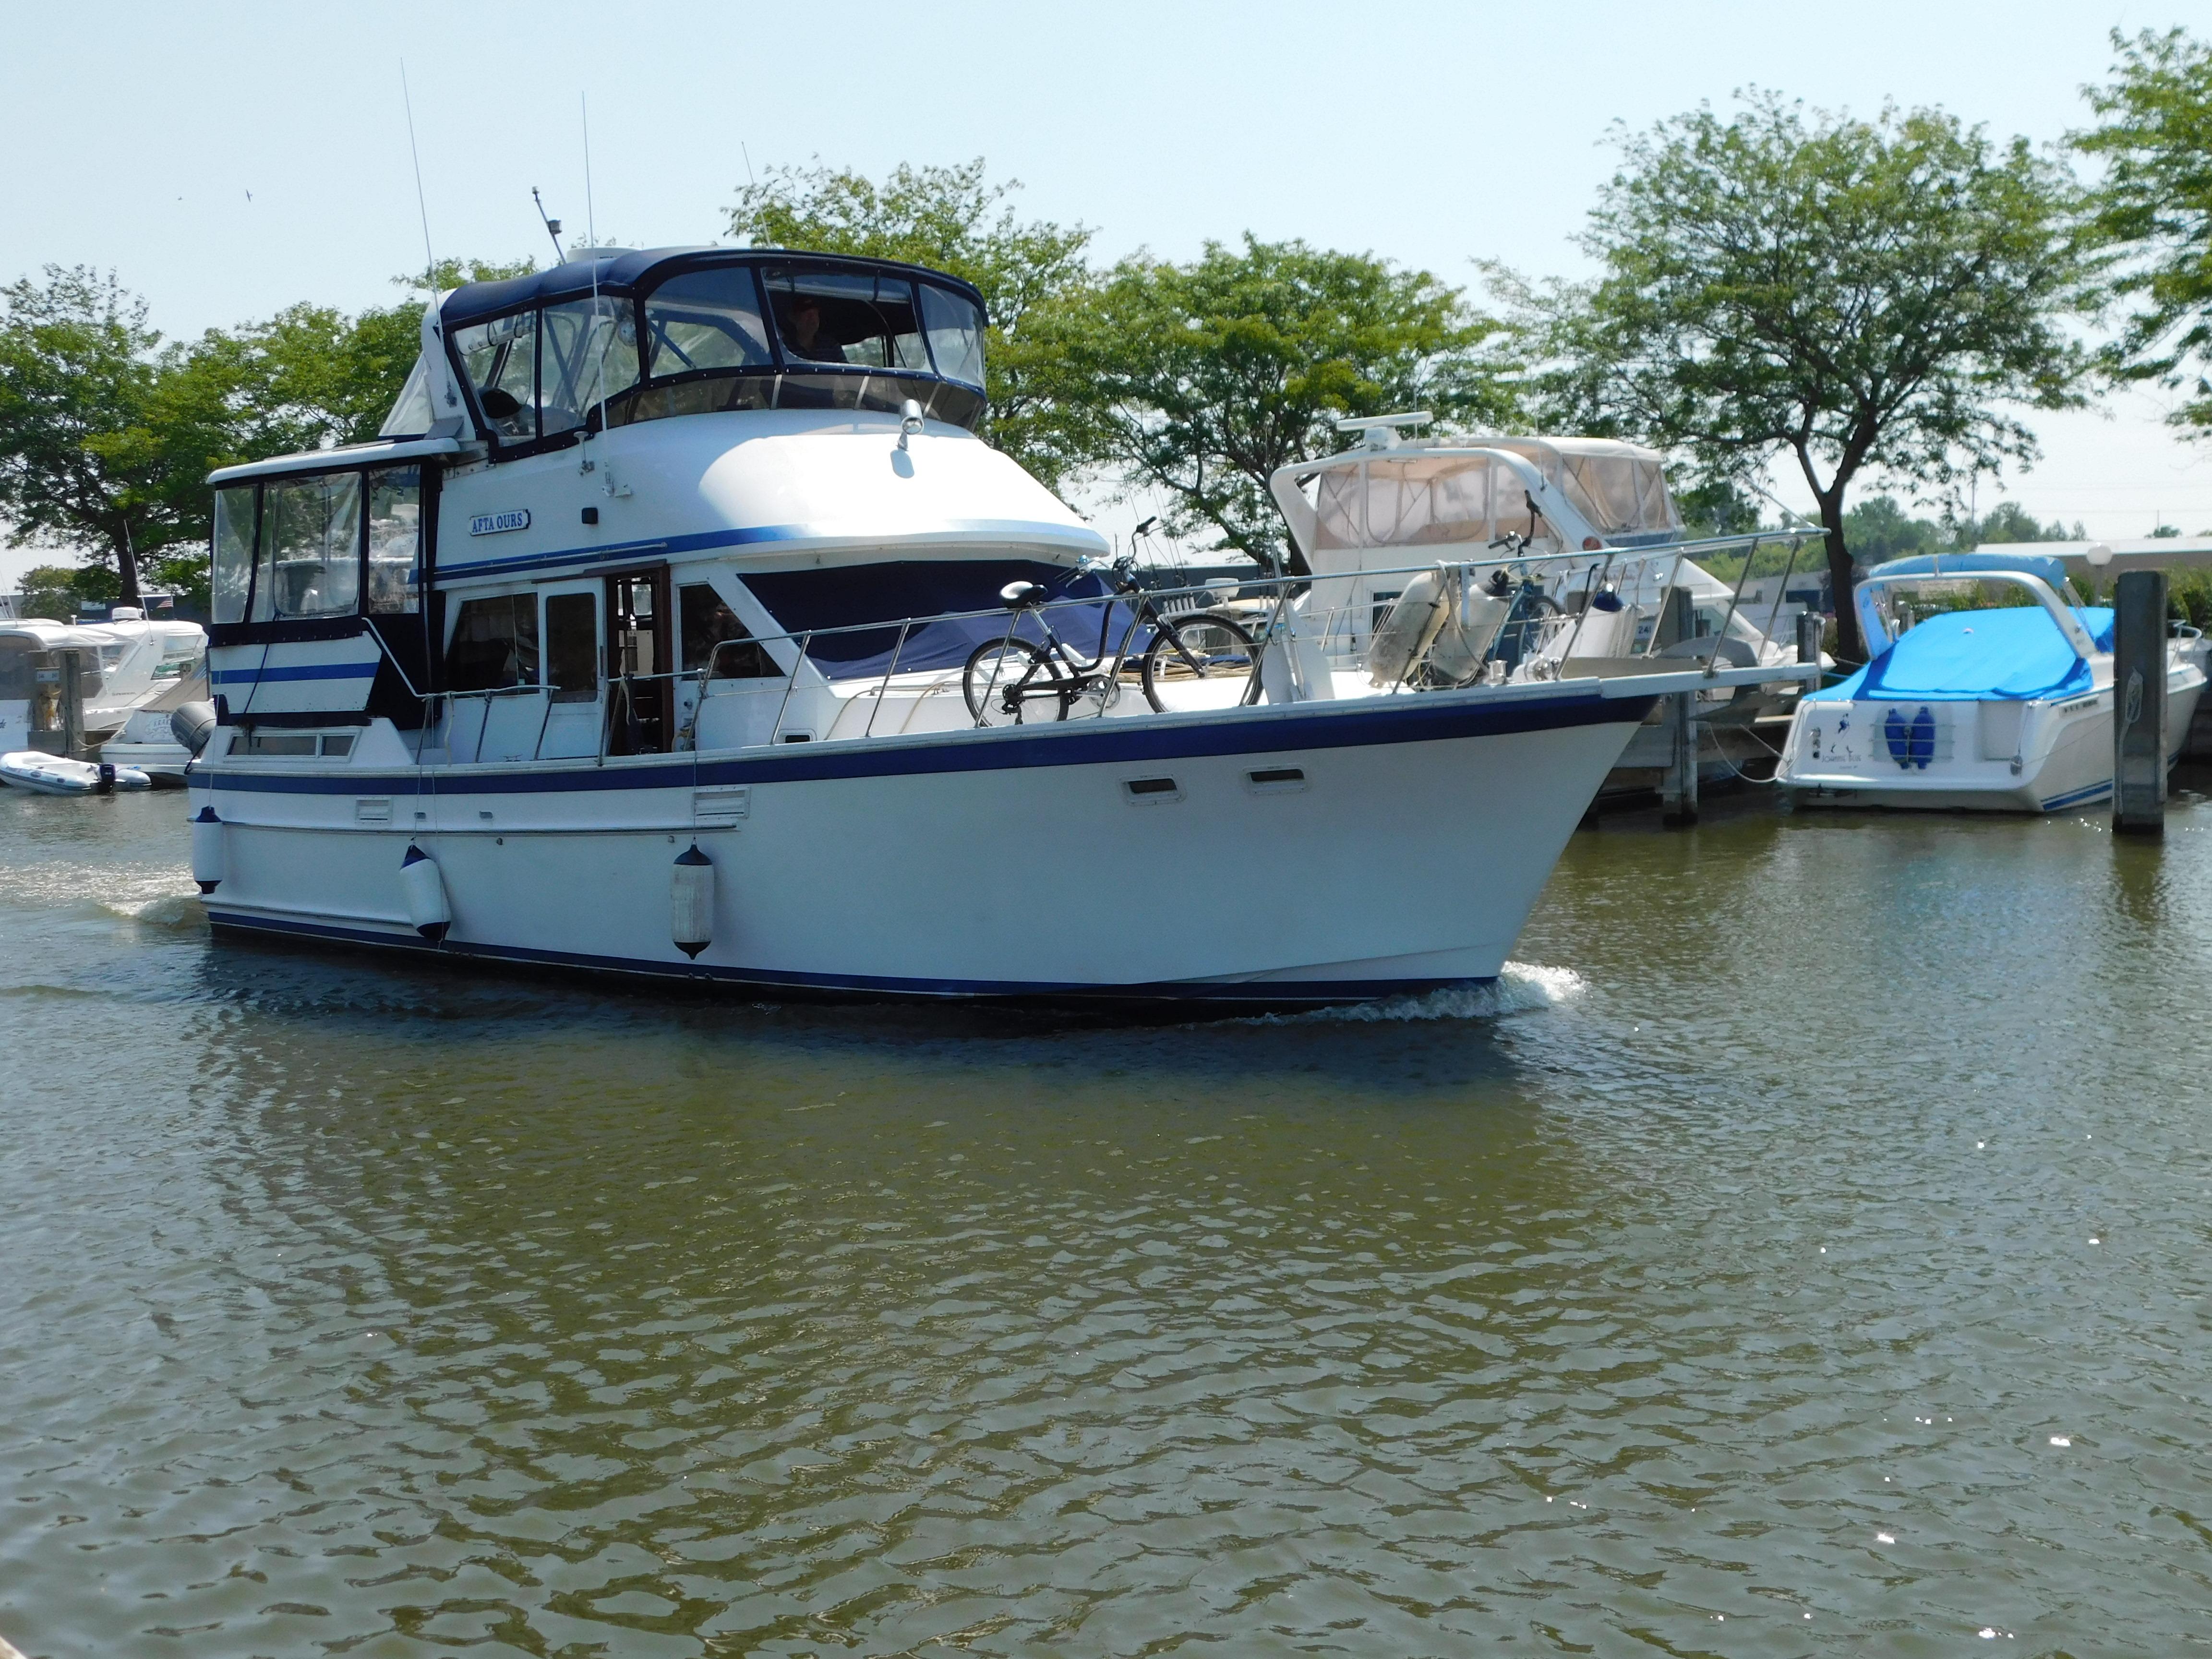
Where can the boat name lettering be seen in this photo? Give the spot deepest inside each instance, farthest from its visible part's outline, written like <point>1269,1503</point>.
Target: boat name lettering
<point>494,524</point>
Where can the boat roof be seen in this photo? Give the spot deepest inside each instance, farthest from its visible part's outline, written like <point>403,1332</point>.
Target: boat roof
<point>378,451</point>
<point>49,636</point>
<point>630,270</point>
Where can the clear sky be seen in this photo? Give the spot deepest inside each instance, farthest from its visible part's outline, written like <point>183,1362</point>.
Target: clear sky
<point>229,159</point>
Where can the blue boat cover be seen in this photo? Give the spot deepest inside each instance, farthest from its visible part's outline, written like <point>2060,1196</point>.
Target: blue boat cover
<point>1970,656</point>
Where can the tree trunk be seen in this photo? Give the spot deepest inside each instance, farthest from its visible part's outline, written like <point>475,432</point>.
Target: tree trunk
<point>1850,649</point>
<point>126,567</point>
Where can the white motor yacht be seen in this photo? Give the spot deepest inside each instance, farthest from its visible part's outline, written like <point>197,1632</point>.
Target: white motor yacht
<point>683,625</point>
<point>124,665</point>
<point>2004,709</point>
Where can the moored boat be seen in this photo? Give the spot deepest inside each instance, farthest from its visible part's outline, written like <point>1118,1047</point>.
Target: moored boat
<point>1990,709</point>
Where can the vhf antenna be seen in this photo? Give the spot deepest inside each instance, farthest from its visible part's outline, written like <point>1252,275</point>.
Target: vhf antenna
<point>430,266</point>
<point>552,227</point>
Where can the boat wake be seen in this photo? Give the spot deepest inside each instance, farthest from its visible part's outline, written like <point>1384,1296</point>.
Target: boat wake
<point>1522,987</point>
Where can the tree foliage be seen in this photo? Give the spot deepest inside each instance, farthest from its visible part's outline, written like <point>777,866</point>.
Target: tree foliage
<point>2152,212</point>
<point>1198,380</point>
<point>948,219</point>
<point>1853,295</point>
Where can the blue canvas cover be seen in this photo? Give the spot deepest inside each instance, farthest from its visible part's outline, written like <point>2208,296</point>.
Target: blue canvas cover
<point>1970,656</point>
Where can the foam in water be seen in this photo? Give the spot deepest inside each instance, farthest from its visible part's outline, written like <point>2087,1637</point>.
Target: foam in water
<point>1522,988</point>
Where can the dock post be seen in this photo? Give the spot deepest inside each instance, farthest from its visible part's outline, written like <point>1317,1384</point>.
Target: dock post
<point>2139,633</point>
<point>1811,627</point>
<point>1678,789</point>
<point>72,699</point>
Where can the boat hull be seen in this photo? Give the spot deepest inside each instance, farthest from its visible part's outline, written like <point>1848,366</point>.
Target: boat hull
<point>2071,768</point>
<point>1405,854</point>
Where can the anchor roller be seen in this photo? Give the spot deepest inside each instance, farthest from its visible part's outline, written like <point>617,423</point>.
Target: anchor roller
<point>207,850</point>
<point>426,894</point>
<point>691,902</point>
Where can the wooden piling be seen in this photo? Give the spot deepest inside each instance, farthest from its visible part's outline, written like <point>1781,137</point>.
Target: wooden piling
<point>1678,789</point>
<point>72,665</point>
<point>2139,745</point>
<point>1812,626</point>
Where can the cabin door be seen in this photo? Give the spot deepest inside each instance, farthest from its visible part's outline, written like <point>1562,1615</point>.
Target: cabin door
<point>575,702</point>
<point>639,660</point>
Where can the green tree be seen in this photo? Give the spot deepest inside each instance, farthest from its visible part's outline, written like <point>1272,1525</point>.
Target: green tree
<point>2152,212</point>
<point>2009,522</point>
<point>1852,294</point>
<point>55,591</point>
<point>948,219</point>
<point>1199,380</point>
<point>80,466</point>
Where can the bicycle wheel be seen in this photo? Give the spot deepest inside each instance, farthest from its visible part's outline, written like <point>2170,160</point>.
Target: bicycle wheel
<point>1005,679</point>
<point>1200,647</point>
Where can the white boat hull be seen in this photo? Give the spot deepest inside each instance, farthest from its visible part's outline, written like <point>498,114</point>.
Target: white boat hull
<point>1003,863</point>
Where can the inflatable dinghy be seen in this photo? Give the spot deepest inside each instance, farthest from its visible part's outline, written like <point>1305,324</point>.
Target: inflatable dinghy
<point>50,774</point>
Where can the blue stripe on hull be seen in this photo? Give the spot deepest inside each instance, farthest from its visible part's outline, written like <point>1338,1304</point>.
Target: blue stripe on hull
<point>1411,720</point>
<point>314,671</point>
<point>2079,795</point>
<point>1249,996</point>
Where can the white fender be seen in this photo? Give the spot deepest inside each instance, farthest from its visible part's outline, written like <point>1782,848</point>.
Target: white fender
<point>426,894</point>
<point>207,850</point>
<point>1464,639</point>
<point>1410,628</point>
<point>691,902</point>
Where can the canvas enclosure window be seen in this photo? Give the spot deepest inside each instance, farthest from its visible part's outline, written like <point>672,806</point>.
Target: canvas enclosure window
<point>706,319</point>
<point>500,359</point>
<point>955,327</point>
<point>572,646</point>
<point>395,540</point>
<point>231,562</point>
<point>308,561</point>
<point>711,633</point>
<point>494,644</point>
<point>589,352</point>
<point>410,411</point>
<point>846,317</point>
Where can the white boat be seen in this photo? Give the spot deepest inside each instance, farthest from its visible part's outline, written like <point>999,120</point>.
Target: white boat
<point>55,775</point>
<point>124,665</point>
<point>2006,709</point>
<point>1602,584</point>
<point>643,643</point>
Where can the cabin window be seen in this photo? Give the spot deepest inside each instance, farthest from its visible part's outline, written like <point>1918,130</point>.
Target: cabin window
<point>308,561</point>
<point>709,623</point>
<point>706,319</point>
<point>589,353</point>
<point>395,537</point>
<point>495,644</point>
<point>841,317</point>
<point>233,562</point>
<point>500,358</point>
<point>955,334</point>
<point>572,646</point>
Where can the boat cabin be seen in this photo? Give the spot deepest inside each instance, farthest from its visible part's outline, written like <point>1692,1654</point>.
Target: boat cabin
<point>637,503</point>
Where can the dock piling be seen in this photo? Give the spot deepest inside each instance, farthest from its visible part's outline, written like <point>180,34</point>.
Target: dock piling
<point>2139,634</point>
<point>1812,625</point>
<point>1678,789</point>
<point>72,703</point>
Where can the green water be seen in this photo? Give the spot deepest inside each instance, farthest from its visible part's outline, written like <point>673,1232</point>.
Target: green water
<point>1724,1284</point>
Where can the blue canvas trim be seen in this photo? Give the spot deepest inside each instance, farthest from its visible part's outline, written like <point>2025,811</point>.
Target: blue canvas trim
<point>1254,994</point>
<point>314,671</point>
<point>1066,744</point>
<point>709,541</point>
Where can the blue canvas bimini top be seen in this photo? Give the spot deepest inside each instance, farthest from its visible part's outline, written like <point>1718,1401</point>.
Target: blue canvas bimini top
<point>1968,656</point>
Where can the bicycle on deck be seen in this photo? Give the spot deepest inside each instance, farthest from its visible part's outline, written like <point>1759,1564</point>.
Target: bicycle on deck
<point>1007,680</point>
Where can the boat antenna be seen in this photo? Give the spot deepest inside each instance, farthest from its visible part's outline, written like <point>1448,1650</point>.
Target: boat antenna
<point>421,203</point>
<point>552,227</point>
<point>591,236</point>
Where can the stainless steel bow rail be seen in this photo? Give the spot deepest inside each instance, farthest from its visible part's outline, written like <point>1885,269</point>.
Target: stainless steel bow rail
<point>1596,569</point>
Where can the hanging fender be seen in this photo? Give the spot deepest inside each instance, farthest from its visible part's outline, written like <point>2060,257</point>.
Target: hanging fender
<point>691,902</point>
<point>207,850</point>
<point>425,889</point>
